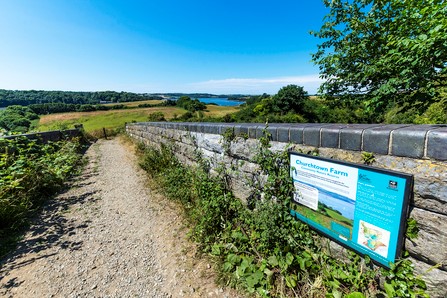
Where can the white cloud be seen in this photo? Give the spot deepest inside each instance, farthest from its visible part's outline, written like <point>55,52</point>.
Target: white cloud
<point>254,85</point>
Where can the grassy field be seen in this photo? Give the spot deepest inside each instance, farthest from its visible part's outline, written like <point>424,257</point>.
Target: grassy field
<point>324,220</point>
<point>113,119</point>
<point>135,103</point>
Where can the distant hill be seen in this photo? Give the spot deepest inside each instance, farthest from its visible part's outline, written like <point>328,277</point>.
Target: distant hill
<point>25,98</point>
<point>28,97</point>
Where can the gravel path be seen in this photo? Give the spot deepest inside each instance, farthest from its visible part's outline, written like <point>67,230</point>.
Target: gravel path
<point>109,235</point>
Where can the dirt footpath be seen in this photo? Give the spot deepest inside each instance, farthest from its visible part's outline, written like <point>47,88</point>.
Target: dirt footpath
<point>109,235</point>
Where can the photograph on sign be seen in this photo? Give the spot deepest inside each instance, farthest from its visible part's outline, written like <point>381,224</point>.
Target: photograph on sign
<point>361,207</point>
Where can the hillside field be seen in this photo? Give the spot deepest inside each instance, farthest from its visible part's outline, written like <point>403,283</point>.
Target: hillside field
<point>114,119</point>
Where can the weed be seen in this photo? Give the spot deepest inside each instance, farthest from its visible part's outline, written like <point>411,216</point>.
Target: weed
<point>368,158</point>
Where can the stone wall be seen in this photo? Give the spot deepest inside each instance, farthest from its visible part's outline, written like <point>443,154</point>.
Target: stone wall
<point>420,150</point>
<point>49,136</point>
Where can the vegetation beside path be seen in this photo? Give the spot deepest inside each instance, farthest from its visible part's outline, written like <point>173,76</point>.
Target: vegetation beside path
<point>30,173</point>
<point>260,247</point>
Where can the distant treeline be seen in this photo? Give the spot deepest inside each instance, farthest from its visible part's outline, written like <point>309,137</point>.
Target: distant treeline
<point>25,98</point>
<point>51,108</point>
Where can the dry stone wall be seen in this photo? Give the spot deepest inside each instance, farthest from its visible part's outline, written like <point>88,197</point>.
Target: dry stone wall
<point>49,136</point>
<point>420,150</point>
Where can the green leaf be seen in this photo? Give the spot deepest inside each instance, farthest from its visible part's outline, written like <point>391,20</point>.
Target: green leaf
<point>336,294</point>
<point>389,289</point>
<point>289,259</point>
<point>291,280</point>
<point>268,273</point>
<point>227,267</point>
<point>215,250</point>
<point>355,295</point>
<point>272,260</point>
<point>254,278</point>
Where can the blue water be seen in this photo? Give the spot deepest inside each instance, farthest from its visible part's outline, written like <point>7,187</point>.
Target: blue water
<point>342,204</point>
<point>221,101</point>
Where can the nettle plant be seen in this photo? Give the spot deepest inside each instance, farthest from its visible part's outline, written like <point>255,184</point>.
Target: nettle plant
<point>260,247</point>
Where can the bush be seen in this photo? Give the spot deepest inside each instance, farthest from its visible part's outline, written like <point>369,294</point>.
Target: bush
<point>156,117</point>
<point>29,173</point>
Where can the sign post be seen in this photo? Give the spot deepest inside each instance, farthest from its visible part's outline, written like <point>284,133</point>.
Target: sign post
<point>360,207</point>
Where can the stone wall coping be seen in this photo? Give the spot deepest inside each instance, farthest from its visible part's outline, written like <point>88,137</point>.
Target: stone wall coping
<point>405,140</point>
<point>46,136</point>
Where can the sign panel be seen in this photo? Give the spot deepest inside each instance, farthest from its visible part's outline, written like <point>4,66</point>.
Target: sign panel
<point>363,208</point>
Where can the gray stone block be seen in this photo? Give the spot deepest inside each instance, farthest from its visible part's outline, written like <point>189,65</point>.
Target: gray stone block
<point>409,141</point>
<point>351,136</point>
<point>200,127</point>
<point>330,135</point>
<point>311,134</point>
<point>237,129</point>
<point>433,277</point>
<point>377,139</point>
<point>296,132</point>
<point>273,130</point>
<point>225,126</point>
<point>182,126</point>
<point>283,134</point>
<point>213,128</point>
<point>260,131</point>
<point>432,236</point>
<point>193,126</point>
<point>170,125</point>
<point>252,131</point>
<point>437,143</point>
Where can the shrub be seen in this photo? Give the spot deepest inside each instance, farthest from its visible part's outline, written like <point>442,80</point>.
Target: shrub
<point>29,173</point>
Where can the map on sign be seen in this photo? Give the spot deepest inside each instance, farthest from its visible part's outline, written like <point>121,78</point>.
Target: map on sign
<point>361,207</point>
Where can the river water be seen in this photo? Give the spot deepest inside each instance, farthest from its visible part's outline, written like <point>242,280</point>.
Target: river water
<point>221,101</point>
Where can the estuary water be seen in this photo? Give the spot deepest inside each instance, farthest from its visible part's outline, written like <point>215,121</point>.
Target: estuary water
<point>221,101</point>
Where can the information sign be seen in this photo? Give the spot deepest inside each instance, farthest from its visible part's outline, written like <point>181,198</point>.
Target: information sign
<point>360,207</point>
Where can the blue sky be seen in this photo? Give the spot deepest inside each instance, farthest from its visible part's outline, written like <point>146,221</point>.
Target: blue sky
<point>219,47</point>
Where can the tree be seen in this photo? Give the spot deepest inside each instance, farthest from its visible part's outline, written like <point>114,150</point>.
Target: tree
<point>17,119</point>
<point>384,51</point>
<point>189,104</point>
<point>289,98</point>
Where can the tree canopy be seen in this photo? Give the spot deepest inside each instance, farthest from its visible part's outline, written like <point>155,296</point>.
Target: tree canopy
<point>384,51</point>
<point>16,119</point>
<point>290,98</point>
<point>29,97</point>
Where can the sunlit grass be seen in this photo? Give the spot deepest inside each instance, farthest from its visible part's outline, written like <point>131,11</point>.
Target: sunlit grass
<point>135,103</point>
<point>113,119</point>
<point>220,111</point>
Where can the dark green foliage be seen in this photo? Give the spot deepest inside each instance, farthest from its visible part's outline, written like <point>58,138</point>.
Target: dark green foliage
<point>10,97</point>
<point>290,98</point>
<point>292,105</point>
<point>30,172</point>
<point>400,281</point>
<point>156,116</point>
<point>384,51</point>
<point>16,119</point>
<point>191,105</point>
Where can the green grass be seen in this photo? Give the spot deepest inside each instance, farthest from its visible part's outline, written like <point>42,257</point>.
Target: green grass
<point>115,119</point>
<point>94,121</point>
<point>323,220</point>
<point>133,104</point>
<point>338,217</point>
